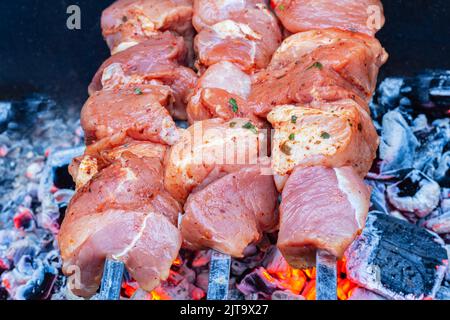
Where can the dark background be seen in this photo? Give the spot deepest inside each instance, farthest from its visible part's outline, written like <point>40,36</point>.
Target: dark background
<point>39,54</point>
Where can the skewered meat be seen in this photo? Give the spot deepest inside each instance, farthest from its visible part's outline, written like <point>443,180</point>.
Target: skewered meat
<point>103,153</point>
<point>243,32</point>
<point>236,219</point>
<point>303,43</point>
<point>138,112</point>
<point>122,212</point>
<point>221,92</point>
<point>154,61</point>
<point>322,208</point>
<point>363,16</point>
<point>129,22</point>
<point>299,83</point>
<point>325,65</point>
<point>315,93</point>
<point>209,150</point>
<point>334,134</point>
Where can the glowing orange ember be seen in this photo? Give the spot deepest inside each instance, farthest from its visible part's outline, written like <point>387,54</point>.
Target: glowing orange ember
<point>304,281</point>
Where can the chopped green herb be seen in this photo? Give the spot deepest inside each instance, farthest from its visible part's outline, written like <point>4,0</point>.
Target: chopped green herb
<point>250,126</point>
<point>294,119</point>
<point>232,124</point>
<point>317,65</point>
<point>325,135</point>
<point>285,149</point>
<point>281,7</point>
<point>138,91</point>
<point>292,136</point>
<point>233,104</point>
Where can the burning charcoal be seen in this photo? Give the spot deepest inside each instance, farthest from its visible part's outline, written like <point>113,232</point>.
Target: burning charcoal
<point>378,199</point>
<point>442,173</point>
<point>443,294</point>
<point>24,219</point>
<point>201,259</point>
<point>430,90</point>
<point>447,274</point>
<point>34,170</point>
<point>253,258</point>
<point>428,156</point>
<point>286,295</point>
<point>389,96</point>
<point>202,280</point>
<point>30,280</point>
<point>275,262</point>
<point>364,294</point>
<point>259,281</point>
<point>396,259</point>
<point>416,193</point>
<point>235,294</point>
<point>398,143</point>
<point>5,115</point>
<point>439,224</point>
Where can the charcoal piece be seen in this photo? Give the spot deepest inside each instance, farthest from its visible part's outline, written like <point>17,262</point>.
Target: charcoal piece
<point>443,294</point>
<point>415,193</point>
<point>396,259</point>
<point>439,224</point>
<point>442,173</point>
<point>5,115</point>
<point>432,145</point>
<point>286,295</point>
<point>364,294</point>
<point>257,282</point>
<point>388,96</point>
<point>398,143</point>
<point>429,90</point>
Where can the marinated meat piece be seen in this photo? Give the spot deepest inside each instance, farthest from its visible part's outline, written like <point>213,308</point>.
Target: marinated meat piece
<point>128,22</point>
<point>321,208</point>
<point>122,212</point>
<point>247,37</point>
<point>146,241</point>
<point>325,65</point>
<point>210,12</point>
<point>299,83</point>
<point>101,154</point>
<point>210,149</point>
<point>138,112</point>
<point>221,92</point>
<point>364,16</point>
<point>155,61</point>
<point>237,218</point>
<point>334,135</point>
<point>296,46</point>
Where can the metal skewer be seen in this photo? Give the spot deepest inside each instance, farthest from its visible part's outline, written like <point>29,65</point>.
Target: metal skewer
<point>219,276</point>
<point>326,276</point>
<point>111,281</point>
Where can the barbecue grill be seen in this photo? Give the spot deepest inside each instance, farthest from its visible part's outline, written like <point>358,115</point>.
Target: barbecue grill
<point>45,71</point>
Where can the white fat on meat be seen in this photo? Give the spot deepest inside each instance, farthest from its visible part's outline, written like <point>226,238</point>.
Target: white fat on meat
<point>235,30</point>
<point>358,200</point>
<point>229,77</point>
